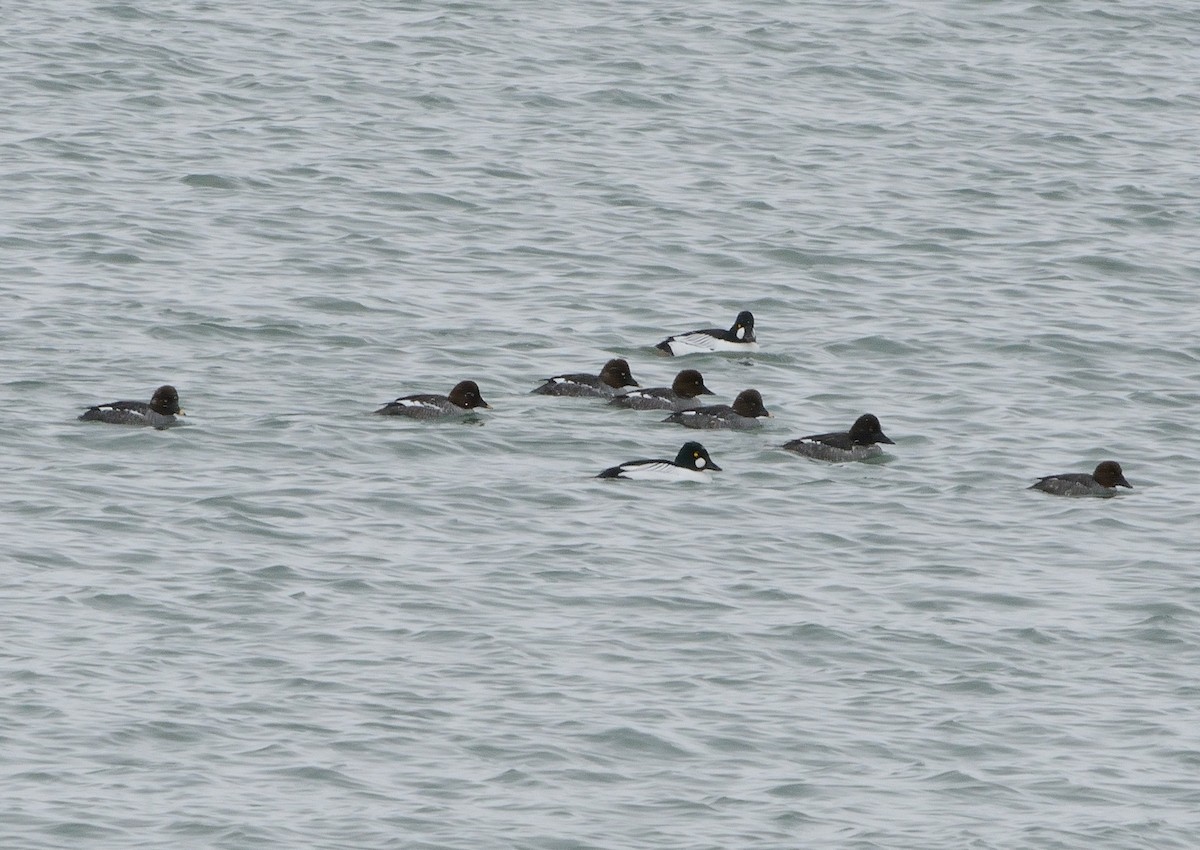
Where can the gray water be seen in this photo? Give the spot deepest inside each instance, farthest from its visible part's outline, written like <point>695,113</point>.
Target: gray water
<point>293,624</point>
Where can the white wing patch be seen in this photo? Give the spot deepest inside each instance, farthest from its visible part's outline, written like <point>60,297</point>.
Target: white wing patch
<point>122,413</point>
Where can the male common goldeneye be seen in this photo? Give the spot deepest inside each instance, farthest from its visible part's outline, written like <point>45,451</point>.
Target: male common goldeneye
<point>691,464</point>
<point>612,377</point>
<point>159,412</point>
<point>681,395</point>
<point>463,398</point>
<point>1104,481</point>
<point>744,413</point>
<point>856,444</point>
<point>740,337</point>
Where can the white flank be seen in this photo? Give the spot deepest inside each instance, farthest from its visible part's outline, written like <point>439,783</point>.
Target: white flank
<point>695,343</point>
<point>660,470</point>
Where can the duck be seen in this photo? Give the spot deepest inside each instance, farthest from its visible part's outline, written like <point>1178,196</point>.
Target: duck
<point>1103,482</point>
<point>612,378</point>
<point>691,464</point>
<point>159,412</point>
<point>739,337</point>
<point>744,413</point>
<point>859,443</point>
<point>681,395</point>
<point>463,398</point>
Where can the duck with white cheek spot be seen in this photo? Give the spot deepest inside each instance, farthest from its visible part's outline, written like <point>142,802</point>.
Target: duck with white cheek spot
<point>739,337</point>
<point>691,464</point>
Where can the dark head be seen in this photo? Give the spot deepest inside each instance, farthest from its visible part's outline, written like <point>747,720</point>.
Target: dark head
<point>695,456</point>
<point>616,374</point>
<point>866,431</point>
<point>749,403</point>
<point>1108,474</point>
<point>165,401</point>
<point>466,394</point>
<point>689,383</point>
<point>743,326</point>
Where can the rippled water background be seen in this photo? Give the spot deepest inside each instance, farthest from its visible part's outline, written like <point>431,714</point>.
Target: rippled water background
<point>292,624</point>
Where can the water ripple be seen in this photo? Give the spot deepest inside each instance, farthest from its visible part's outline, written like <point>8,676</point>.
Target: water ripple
<point>294,623</point>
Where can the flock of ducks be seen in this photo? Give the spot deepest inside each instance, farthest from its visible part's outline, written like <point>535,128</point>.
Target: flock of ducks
<point>615,382</point>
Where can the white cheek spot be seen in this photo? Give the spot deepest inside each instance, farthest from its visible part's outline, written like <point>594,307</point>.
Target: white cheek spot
<point>741,332</point>
<point>700,463</point>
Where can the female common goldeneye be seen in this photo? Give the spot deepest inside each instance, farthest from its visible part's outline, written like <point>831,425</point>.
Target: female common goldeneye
<point>744,413</point>
<point>1104,481</point>
<point>463,398</point>
<point>681,395</point>
<point>159,412</point>
<point>740,337</point>
<point>612,377</point>
<point>856,444</point>
<point>691,464</point>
